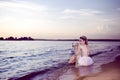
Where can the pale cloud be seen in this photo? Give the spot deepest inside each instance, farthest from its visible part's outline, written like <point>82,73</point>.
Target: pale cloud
<point>83,19</point>
<point>83,15</point>
<point>103,29</point>
<point>118,9</point>
<point>20,9</point>
<point>91,23</point>
<point>83,12</point>
<point>109,26</point>
<point>21,5</point>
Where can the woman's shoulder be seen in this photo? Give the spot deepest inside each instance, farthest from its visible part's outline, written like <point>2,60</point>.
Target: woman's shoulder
<point>83,46</point>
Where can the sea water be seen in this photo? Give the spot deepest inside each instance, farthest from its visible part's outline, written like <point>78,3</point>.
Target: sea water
<point>20,58</point>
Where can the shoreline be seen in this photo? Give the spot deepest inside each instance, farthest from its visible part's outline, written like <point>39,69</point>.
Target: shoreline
<point>109,71</point>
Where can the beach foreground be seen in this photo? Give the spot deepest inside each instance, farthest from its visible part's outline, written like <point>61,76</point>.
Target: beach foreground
<point>110,71</point>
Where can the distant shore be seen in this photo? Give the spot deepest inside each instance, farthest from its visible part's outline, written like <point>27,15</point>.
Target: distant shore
<point>11,38</point>
<point>65,40</point>
<point>58,39</point>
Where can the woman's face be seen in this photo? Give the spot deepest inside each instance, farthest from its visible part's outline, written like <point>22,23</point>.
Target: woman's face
<point>82,41</point>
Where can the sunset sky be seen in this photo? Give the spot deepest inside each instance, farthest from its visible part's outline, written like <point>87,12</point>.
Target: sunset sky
<point>60,18</point>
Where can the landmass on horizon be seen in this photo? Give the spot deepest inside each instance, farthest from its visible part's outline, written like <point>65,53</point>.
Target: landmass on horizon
<point>11,38</point>
<point>15,38</point>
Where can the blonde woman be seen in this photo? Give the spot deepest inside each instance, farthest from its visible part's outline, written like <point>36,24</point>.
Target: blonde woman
<point>82,52</point>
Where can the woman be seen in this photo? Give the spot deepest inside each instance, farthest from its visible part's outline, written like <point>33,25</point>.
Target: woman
<point>81,57</point>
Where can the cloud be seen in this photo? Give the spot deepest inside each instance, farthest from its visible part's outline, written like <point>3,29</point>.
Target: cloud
<point>91,22</point>
<point>83,18</point>
<point>118,9</point>
<point>83,12</point>
<point>21,5</point>
<point>18,9</point>
<point>109,26</point>
<point>22,11</point>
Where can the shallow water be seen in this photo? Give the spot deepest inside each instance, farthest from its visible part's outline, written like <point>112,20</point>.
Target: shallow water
<point>19,58</point>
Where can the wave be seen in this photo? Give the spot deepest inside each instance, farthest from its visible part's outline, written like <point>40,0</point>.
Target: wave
<point>40,72</point>
<point>101,52</point>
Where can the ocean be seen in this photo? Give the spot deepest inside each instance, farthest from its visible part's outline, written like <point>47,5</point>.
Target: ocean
<point>20,58</point>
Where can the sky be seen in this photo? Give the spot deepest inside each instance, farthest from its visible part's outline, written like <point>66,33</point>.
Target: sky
<point>60,19</point>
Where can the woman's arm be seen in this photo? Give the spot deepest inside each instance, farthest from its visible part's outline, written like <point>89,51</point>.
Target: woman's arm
<point>73,58</point>
<point>76,49</point>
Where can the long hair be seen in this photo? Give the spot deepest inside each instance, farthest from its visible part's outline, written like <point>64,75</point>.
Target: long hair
<point>85,39</point>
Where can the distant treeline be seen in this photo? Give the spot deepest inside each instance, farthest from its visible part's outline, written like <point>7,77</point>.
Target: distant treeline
<point>29,38</point>
<point>15,38</point>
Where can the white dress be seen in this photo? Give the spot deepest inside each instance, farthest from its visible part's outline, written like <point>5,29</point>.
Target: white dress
<point>83,59</point>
